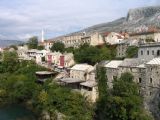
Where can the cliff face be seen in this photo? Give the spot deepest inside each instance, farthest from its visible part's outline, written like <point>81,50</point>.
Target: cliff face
<point>142,13</point>
<point>136,19</point>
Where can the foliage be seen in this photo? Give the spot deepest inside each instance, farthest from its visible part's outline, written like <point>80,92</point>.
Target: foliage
<point>14,47</point>
<point>19,86</point>
<point>91,55</point>
<point>10,60</point>
<point>70,50</point>
<point>100,111</point>
<point>40,47</point>
<point>33,42</point>
<point>122,102</point>
<point>58,46</point>
<point>132,51</point>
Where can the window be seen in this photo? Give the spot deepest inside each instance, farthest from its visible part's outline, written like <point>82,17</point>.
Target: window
<point>150,80</point>
<point>158,53</point>
<point>150,93</point>
<point>141,52</point>
<point>152,52</point>
<point>147,52</point>
<point>140,80</point>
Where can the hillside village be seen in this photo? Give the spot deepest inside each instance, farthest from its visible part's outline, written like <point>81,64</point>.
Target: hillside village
<point>144,66</point>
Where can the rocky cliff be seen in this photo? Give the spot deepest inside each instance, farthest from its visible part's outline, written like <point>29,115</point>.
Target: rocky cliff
<point>136,19</point>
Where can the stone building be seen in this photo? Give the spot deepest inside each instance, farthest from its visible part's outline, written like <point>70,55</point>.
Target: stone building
<point>66,60</point>
<point>71,40</point>
<point>148,36</point>
<point>146,75</point>
<point>112,71</point>
<point>123,46</point>
<point>81,71</point>
<point>152,90</point>
<point>53,58</point>
<point>149,51</point>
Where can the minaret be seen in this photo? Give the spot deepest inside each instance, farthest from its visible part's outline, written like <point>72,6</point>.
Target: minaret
<point>42,36</point>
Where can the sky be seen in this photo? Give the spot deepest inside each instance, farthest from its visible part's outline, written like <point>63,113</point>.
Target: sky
<point>22,19</point>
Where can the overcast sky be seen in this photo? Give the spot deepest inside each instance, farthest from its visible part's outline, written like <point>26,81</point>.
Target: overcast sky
<point>20,19</point>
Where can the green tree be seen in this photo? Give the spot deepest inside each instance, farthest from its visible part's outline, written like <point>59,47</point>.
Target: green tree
<point>125,103</point>
<point>91,55</point>
<point>100,111</point>
<point>58,46</point>
<point>132,51</point>
<point>33,42</point>
<point>40,47</point>
<point>10,60</point>
<point>14,47</point>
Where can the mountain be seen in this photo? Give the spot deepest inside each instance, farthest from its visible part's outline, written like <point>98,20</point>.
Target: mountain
<point>5,43</point>
<point>136,20</point>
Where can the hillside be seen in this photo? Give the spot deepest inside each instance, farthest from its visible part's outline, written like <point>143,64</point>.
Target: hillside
<point>5,43</point>
<point>136,20</point>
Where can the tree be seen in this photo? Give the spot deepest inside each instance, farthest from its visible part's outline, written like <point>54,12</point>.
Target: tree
<point>101,113</point>
<point>132,51</point>
<point>40,47</point>
<point>33,42</point>
<point>125,103</point>
<point>91,54</point>
<point>58,46</point>
<point>10,60</point>
<point>14,47</point>
<point>88,54</point>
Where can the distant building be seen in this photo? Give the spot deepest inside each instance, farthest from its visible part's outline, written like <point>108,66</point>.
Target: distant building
<point>40,56</point>
<point>149,51</point>
<point>66,60</point>
<point>113,37</point>
<point>47,44</point>
<point>122,47</point>
<point>53,58</point>
<point>151,35</point>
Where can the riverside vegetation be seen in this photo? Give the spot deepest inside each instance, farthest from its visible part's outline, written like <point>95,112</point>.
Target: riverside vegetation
<point>18,86</point>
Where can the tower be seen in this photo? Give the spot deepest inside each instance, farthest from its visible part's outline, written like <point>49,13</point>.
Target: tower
<point>42,39</point>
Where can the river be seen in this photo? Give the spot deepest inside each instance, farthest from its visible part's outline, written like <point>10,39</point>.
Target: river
<point>15,112</point>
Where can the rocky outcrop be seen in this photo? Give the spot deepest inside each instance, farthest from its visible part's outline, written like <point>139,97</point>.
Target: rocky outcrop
<point>142,13</point>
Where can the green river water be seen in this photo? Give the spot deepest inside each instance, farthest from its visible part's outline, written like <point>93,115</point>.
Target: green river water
<point>15,112</point>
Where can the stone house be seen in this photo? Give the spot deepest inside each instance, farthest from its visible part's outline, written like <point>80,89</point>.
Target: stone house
<point>66,60</point>
<point>149,51</point>
<point>52,58</point>
<point>112,71</point>
<point>122,47</point>
<point>40,56</point>
<point>152,96</point>
<point>81,71</point>
<point>93,39</point>
<point>150,35</point>
<point>71,40</point>
<point>89,89</point>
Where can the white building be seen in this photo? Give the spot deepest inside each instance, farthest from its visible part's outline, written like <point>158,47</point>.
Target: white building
<point>40,56</point>
<point>113,38</point>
